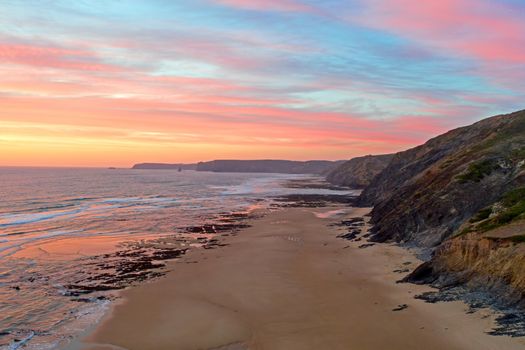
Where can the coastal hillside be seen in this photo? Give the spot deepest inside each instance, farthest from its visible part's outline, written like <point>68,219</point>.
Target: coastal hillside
<point>426,193</point>
<point>268,166</point>
<point>164,166</point>
<point>359,172</point>
<point>317,167</point>
<point>461,196</point>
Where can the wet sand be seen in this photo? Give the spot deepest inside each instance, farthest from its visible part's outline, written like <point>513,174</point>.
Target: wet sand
<point>289,283</point>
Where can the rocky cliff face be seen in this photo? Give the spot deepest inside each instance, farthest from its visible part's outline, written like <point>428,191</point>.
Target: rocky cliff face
<point>485,254</point>
<point>426,193</point>
<point>359,172</point>
<point>460,196</point>
<point>489,264</point>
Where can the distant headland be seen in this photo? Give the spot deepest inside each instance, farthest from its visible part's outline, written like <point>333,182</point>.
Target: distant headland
<point>320,167</point>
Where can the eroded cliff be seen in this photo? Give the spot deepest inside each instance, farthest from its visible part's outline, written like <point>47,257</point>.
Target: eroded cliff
<point>359,172</point>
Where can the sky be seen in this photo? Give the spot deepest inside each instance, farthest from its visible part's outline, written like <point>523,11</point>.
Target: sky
<point>112,83</point>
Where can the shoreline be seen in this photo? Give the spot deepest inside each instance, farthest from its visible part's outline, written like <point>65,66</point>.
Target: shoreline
<point>288,282</point>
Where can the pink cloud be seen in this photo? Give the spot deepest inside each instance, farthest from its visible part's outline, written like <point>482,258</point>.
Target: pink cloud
<point>481,29</point>
<point>267,5</point>
<point>52,57</point>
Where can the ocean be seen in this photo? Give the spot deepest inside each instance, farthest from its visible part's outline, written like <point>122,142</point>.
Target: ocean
<point>64,233</point>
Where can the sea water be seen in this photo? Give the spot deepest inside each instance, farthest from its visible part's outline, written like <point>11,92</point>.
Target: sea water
<point>55,221</point>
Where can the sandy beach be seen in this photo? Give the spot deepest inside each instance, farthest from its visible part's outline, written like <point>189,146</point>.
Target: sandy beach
<point>288,282</point>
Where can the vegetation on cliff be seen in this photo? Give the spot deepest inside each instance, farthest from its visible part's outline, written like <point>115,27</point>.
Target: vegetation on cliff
<point>511,208</point>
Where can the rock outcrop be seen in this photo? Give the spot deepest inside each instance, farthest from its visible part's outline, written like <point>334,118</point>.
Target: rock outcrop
<point>480,263</point>
<point>359,172</point>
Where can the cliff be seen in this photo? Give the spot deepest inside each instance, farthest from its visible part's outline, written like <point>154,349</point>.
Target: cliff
<point>479,263</point>
<point>359,172</point>
<point>163,166</point>
<point>426,193</point>
<point>486,253</point>
<point>460,196</point>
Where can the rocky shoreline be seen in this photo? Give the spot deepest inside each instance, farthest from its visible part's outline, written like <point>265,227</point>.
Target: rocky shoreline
<point>144,260</point>
<point>459,200</point>
<point>477,294</point>
<point>132,263</point>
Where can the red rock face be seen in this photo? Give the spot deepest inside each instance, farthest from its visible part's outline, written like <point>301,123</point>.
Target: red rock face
<point>494,261</point>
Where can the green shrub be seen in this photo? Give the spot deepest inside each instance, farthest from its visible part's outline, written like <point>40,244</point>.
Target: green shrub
<point>513,197</point>
<point>517,154</point>
<point>466,230</point>
<point>518,239</point>
<point>487,226</point>
<point>477,171</point>
<point>514,209</point>
<point>481,215</point>
<point>511,214</point>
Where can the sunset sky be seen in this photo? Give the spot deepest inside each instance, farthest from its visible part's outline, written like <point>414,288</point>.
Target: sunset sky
<point>112,83</point>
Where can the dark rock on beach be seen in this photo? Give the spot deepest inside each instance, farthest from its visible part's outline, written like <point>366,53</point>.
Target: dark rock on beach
<point>366,245</point>
<point>400,307</point>
<point>216,228</point>
<point>313,200</point>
